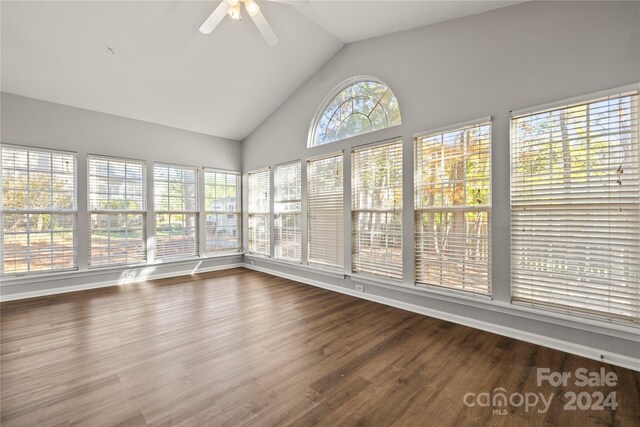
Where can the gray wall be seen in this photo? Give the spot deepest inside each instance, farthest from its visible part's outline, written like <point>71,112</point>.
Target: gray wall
<point>488,64</point>
<point>30,122</point>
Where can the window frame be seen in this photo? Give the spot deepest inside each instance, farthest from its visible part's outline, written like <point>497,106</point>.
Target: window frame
<point>144,213</point>
<point>237,213</point>
<point>488,208</point>
<point>566,311</point>
<point>197,212</point>
<point>315,121</point>
<point>393,212</point>
<point>73,213</point>
<point>309,213</point>
<point>277,214</point>
<point>266,214</point>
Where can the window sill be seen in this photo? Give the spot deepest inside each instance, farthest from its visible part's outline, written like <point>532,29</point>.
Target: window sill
<point>298,266</point>
<point>458,293</point>
<point>370,278</point>
<point>94,271</point>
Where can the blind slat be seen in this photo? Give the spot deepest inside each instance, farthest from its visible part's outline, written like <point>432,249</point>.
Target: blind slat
<point>177,213</point>
<point>376,189</point>
<point>287,224</point>
<point>259,212</point>
<point>117,211</point>
<point>325,211</point>
<point>222,210</point>
<point>453,208</point>
<point>575,201</point>
<point>39,207</point>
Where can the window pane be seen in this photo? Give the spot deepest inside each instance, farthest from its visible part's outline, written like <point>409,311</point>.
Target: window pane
<point>325,211</point>
<point>259,234</point>
<point>453,204</point>
<point>176,236</point>
<point>223,232</point>
<point>116,184</point>
<point>288,212</point>
<point>222,210</point>
<point>452,249</point>
<point>44,182</point>
<point>259,212</point>
<point>376,197</point>
<point>377,243</point>
<point>175,188</point>
<point>117,239</point>
<point>177,211</point>
<point>575,221</point>
<point>117,200</point>
<point>359,108</point>
<point>38,242</point>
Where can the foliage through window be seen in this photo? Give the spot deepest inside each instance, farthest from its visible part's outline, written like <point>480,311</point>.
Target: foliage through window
<point>38,210</point>
<point>575,208</point>
<point>453,205</point>
<point>361,107</point>
<point>117,211</point>
<point>222,211</point>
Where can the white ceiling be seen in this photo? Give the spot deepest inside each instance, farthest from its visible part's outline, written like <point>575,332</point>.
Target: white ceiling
<point>146,60</point>
<point>351,21</point>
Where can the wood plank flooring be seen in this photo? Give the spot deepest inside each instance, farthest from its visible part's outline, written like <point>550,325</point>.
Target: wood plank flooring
<point>239,347</point>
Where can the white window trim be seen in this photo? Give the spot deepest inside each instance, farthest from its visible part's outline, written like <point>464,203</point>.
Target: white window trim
<point>197,212</point>
<point>275,214</point>
<point>351,210</point>
<point>73,211</point>
<point>546,311</point>
<point>144,213</point>
<point>268,214</point>
<point>308,262</point>
<point>238,212</point>
<point>444,129</point>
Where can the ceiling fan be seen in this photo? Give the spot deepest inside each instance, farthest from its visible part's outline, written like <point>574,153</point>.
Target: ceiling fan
<point>232,8</point>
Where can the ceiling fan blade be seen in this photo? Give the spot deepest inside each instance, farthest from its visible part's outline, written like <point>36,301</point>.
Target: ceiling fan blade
<point>265,28</point>
<point>214,19</point>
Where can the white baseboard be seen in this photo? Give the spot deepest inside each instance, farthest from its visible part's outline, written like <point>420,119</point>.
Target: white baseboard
<point>568,347</point>
<point>105,284</point>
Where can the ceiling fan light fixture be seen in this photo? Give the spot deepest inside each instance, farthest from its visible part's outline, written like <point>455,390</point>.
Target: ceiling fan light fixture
<point>234,12</point>
<point>251,7</point>
<point>233,3</point>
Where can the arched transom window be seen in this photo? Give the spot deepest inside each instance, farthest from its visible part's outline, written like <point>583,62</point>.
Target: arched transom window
<point>360,107</point>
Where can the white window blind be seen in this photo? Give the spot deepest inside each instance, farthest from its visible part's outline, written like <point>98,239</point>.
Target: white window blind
<point>575,221</point>
<point>176,211</point>
<point>453,206</point>
<point>117,211</point>
<point>376,210</point>
<point>38,210</point>
<point>259,212</point>
<point>287,207</point>
<point>325,211</point>
<point>222,211</point>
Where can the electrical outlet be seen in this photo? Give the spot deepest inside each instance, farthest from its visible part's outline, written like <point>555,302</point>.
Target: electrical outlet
<point>253,262</point>
<point>359,288</point>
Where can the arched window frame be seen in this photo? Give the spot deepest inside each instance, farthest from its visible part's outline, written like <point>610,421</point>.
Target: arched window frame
<point>311,138</point>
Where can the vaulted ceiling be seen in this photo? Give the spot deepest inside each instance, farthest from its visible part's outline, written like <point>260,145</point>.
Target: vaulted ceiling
<point>146,60</point>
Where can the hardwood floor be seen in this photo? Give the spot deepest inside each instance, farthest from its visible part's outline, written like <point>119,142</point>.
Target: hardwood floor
<point>239,347</point>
